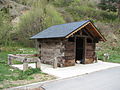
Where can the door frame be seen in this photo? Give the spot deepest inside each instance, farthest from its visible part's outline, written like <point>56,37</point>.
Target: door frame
<point>84,48</point>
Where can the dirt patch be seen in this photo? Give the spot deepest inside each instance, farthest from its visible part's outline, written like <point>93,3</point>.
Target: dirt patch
<point>37,78</point>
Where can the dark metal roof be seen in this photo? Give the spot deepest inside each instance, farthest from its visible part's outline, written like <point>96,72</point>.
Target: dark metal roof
<point>58,31</point>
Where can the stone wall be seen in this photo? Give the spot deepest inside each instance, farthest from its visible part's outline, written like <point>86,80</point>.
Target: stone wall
<point>51,49</point>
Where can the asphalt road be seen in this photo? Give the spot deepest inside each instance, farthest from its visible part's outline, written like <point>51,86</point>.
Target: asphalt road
<point>108,79</point>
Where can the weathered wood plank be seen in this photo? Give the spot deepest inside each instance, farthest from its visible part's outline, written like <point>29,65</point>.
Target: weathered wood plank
<point>69,63</point>
<point>69,57</point>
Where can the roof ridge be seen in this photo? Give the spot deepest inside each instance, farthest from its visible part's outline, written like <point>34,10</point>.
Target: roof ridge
<point>71,22</point>
<point>60,30</point>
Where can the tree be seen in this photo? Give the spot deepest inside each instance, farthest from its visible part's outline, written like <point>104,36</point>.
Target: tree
<point>37,19</point>
<point>110,5</point>
<point>5,29</point>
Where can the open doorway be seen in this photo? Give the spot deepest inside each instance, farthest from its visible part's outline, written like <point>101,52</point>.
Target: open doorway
<point>80,49</point>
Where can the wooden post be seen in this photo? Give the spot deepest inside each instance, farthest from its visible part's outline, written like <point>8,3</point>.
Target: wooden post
<point>75,48</point>
<point>104,59</point>
<point>95,58</point>
<point>38,64</point>
<point>95,54</point>
<point>25,64</point>
<point>105,56</point>
<point>84,51</point>
<point>55,63</point>
<point>9,60</point>
<point>37,46</point>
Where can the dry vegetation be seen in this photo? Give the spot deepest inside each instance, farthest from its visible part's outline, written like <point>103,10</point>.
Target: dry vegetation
<point>37,78</point>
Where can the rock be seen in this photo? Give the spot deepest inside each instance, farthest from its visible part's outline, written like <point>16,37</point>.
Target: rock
<point>13,8</point>
<point>2,1</point>
<point>98,48</point>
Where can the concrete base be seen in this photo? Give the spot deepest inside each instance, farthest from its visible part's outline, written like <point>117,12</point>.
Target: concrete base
<point>78,69</point>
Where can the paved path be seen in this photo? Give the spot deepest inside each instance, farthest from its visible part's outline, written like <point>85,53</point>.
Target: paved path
<point>108,79</point>
<point>78,69</point>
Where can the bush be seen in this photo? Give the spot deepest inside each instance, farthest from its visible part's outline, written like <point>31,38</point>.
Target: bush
<point>30,24</point>
<point>5,29</point>
<point>108,16</point>
<point>84,12</point>
<point>2,78</point>
<point>62,3</point>
<point>36,20</point>
<point>31,71</point>
<point>27,73</point>
<point>53,17</point>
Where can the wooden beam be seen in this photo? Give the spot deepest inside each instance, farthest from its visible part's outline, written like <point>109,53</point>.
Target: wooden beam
<point>81,36</point>
<point>88,34</point>
<point>81,32</point>
<point>77,30</point>
<point>75,47</point>
<point>98,32</point>
<point>90,31</point>
<point>84,51</point>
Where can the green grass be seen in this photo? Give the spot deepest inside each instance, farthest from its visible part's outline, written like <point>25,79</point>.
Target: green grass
<point>4,68</point>
<point>8,73</point>
<point>10,77</point>
<point>14,50</point>
<point>114,54</point>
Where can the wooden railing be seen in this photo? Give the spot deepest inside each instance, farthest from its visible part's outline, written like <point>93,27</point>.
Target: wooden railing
<point>25,59</point>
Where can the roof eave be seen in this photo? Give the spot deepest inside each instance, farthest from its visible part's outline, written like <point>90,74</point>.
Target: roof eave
<point>79,28</point>
<point>47,38</point>
<point>102,37</point>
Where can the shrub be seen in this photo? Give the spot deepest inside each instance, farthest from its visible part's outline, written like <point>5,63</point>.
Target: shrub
<point>53,17</point>
<point>31,71</point>
<point>85,12</point>
<point>30,24</point>
<point>25,74</point>
<point>5,29</point>
<point>36,20</point>
<point>62,3</point>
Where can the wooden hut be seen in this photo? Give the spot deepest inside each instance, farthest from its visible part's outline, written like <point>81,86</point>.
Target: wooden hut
<point>69,43</point>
